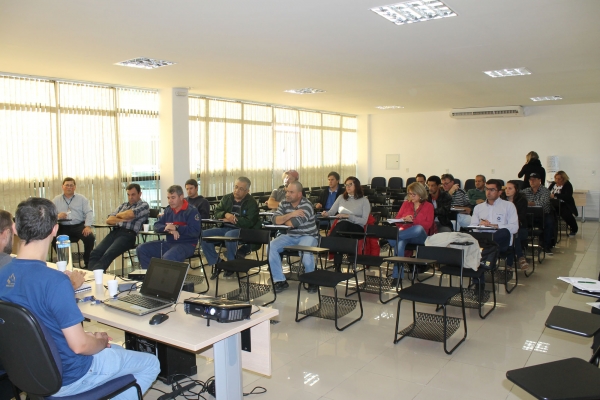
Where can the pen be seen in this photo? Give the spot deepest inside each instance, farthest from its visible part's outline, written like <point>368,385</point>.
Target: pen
<point>584,282</point>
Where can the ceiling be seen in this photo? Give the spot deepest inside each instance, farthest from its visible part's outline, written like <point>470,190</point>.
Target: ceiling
<point>254,50</point>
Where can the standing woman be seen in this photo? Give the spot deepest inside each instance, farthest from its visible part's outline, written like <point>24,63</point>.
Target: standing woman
<point>417,214</point>
<point>562,190</point>
<point>353,208</point>
<point>532,164</point>
<point>511,193</point>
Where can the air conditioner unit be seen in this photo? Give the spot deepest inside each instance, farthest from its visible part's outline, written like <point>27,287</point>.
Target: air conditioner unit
<point>488,112</point>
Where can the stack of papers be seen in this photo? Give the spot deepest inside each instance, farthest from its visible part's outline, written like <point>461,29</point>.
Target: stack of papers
<point>587,284</point>
<point>84,287</point>
<point>394,221</point>
<point>596,305</point>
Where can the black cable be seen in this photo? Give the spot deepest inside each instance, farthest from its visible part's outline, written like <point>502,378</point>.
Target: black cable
<point>256,387</point>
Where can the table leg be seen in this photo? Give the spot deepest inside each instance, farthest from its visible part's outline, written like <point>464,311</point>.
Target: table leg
<point>228,368</point>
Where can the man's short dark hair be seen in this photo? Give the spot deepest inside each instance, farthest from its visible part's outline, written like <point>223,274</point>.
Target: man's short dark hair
<point>435,178</point>
<point>192,182</point>
<point>134,186</point>
<point>448,176</point>
<point>35,219</point>
<point>480,176</point>
<point>245,180</point>
<point>175,189</point>
<point>297,185</point>
<point>420,176</point>
<point>495,182</point>
<point>335,175</point>
<point>67,179</point>
<point>5,221</point>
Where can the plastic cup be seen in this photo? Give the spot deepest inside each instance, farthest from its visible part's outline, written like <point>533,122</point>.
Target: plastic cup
<point>61,265</point>
<point>113,287</point>
<point>146,227</point>
<point>98,275</point>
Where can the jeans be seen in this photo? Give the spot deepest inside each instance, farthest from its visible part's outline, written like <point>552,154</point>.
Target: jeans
<point>114,244</point>
<point>209,248</point>
<point>521,238</point>
<point>165,250</point>
<point>112,363</point>
<point>414,235</point>
<point>277,245</point>
<point>463,220</point>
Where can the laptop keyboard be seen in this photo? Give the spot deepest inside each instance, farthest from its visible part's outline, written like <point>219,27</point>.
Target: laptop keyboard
<point>142,301</point>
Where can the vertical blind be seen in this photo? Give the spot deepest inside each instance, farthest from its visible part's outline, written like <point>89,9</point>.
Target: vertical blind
<point>233,138</point>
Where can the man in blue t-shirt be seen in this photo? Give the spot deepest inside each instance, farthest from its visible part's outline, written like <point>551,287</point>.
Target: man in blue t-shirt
<point>88,359</point>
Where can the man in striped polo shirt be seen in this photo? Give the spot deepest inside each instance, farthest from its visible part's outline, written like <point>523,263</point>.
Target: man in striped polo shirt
<point>297,213</point>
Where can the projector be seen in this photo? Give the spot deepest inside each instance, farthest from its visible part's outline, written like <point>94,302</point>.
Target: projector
<point>218,309</point>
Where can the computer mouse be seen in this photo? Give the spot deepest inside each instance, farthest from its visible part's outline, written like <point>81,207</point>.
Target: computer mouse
<point>158,319</point>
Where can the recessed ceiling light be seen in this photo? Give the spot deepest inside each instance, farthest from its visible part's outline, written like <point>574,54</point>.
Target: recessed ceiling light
<point>144,62</point>
<point>304,91</point>
<point>410,12</point>
<point>502,73</point>
<point>546,98</point>
<point>388,107</point>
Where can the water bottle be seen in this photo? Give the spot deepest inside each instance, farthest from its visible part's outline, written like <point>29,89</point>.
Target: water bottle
<point>63,250</point>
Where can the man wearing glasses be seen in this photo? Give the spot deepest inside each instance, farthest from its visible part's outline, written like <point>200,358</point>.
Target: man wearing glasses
<point>501,215</point>
<point>75,217</point>
<point>237,210</point>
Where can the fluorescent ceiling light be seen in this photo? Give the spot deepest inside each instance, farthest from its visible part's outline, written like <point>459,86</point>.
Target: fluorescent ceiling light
<point>145,62</point>
<point>410,12</point>
<point>388,107</point>
<point>502,73</point>
<point>546,98</point>
<point>304,91</point>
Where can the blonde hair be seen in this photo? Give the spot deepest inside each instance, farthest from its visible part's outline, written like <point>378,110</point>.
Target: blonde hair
<point>563,175</point>
<point>419,189</point>
<point>532,155</point>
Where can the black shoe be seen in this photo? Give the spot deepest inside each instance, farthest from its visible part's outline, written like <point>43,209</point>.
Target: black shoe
<point>548,251</point>
<point>312,288</point>
<point>573,233</point>
<point>215,274</point>
<point>281,286</point>
<point>394,282</point>
<point>227,274</point>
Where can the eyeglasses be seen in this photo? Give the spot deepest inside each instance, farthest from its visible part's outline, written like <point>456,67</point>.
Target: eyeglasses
<point>491,189</point>
<point>412,194</point>
<point>69,185</point>
<point>240,188</point>
<point>348,184</point>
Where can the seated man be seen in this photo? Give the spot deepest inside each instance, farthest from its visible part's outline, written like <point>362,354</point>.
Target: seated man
<point>538,195</point>
<point>297,212</point>
<point>127,220</point>
<point>422,180</point>
<point>237,210</point>
<point>78,215</point>
<point>279,194</point>
<point>329,196</point>
<point>88,359</point>
<point>191,187</point>
<point>477,195</point>
<point>181,223</point>
<point>499,214</point>
<point>441,204</point>
<point>460,200</point>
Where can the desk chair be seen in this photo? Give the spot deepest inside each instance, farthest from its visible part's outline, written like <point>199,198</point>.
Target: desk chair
<point>504,276</point>
<point>4,377</point>
<point>378,182</point>
<point>395,182</point>
<point>198,279</point>
<point>410,180</point>
<point>432,326</point>
<point>469,184</point>
<point>30,357</point>
<point>535,228</point>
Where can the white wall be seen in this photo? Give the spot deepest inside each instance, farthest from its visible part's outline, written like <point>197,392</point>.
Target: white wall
<point>432,142</point>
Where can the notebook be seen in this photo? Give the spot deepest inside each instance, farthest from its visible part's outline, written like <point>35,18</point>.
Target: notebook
<point>161,288</point>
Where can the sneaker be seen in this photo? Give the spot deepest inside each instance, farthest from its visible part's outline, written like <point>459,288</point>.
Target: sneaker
<point>281,286</point>
<point>523,263</point>
<point>227,274</point>
<point>312,289</point>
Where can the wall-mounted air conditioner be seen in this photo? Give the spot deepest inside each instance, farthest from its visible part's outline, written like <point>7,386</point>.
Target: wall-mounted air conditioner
<point>488,112</point>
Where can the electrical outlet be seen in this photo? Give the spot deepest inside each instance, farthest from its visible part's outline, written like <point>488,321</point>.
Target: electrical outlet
<point>493,171</point>
<point>407,169</point>
<point>447,171</point>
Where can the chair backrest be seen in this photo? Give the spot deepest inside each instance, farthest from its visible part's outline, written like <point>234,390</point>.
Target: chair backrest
<point>388,232</point>
<point>536,217</point>
<point>482,235</point>
<point>501,182</point>
<point>340,245</point>
<point>457,181</point>
<point>410,180</point>
<point>384,212</point>
<point>28,352</point>
<point>446,256</point>
<point>254,236</point>
<point>395,182</point>
<point>378,181</point>
<point>469,184</point>
<point>367,191</point>
<point>154,213</point>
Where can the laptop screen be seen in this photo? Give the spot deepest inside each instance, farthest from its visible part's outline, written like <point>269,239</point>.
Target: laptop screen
<point>164,279</point>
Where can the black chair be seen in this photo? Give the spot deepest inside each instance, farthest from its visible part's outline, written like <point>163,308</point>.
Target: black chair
<point>395,182</point>
<point>246,290</point>
<point>469,184</point>
<point>432,326</point>
<point>332,307</point>
<point>410,180</point>
<point>535,228</point>
<point>154,212</point>
<point>378,182</point>
<point>198,279</point>
<point>31,359</point>
<point>457,181</point>
<point>15,390</point>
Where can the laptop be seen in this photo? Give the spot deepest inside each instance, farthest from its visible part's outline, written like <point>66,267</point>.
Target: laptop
<point>161,288</point>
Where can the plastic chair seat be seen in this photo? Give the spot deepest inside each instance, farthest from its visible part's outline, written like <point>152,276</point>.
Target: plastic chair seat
<point>325,278</point>
<point>429,294</point>
<point>241,265</point>
<point>105,390</point>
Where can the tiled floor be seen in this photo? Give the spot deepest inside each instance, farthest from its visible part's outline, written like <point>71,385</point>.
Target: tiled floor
<point>311,360</point>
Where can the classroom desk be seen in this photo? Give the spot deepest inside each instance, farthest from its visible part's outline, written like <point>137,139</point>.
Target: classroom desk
<point>190,333</point>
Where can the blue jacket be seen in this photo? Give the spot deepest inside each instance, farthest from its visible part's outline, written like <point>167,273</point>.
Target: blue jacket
<point>187,221</point>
